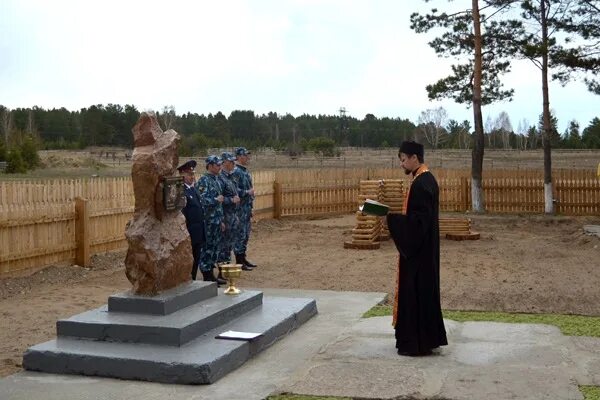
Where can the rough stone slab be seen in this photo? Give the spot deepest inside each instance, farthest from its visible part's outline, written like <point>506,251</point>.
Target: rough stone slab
<point>174,329</point>
<point>377,379</point>
<point>484,360</point>
<point>200,361</point>
<point>502,382</point>
<point>537,334</point>
<point>592,230</point>
<point>586,356</point>
<point>164,303</point>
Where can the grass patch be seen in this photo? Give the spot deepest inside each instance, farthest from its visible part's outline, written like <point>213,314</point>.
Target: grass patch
<point>378,311</point>
<point>590,392</point>
<point>570,325</point>
<point>302,397</point>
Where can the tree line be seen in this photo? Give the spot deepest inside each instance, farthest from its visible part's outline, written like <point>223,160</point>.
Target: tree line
<point>110,125</point>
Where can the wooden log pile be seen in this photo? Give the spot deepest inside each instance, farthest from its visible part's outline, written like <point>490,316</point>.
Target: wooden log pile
<point>368,227</point>
<point>392,196</point>
<point>371,230</point>
<point>457,229</point>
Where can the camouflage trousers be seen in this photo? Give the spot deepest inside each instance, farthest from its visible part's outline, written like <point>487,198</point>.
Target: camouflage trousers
<point>231,227</point>
<point>211,247</point>
<point>243,232</point>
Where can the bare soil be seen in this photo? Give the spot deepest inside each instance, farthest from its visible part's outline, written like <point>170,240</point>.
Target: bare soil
<point>521,264</point>
<point>96,161</point>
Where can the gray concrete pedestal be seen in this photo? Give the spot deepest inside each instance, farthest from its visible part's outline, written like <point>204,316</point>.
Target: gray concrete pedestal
<point>168,338</point>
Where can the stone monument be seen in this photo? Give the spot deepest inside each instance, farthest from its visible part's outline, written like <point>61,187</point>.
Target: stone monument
<point>159,255</point>
<point>167,328</point>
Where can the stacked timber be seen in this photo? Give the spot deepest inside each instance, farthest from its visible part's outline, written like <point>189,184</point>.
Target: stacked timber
<point>370,190</point>
<point>368,227</point>
<point>457,229</point>
<point>393,197</point>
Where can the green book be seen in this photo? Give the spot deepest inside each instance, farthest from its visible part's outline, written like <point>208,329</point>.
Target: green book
<point>372,207</point>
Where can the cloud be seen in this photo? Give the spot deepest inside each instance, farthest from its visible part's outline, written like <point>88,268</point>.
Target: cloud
<point>296,56</point>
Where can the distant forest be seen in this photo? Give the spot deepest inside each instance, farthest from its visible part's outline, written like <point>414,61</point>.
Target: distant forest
<point>110,125</point>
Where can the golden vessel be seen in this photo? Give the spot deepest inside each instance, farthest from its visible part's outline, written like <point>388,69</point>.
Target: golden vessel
<point>231,272</point>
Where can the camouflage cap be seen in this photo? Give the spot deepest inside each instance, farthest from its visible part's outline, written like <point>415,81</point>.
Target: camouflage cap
<point>212,159</point>
<point>227,156</point>
<point>241,151</point>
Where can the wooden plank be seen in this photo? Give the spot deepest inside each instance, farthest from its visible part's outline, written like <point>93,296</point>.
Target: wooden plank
<point>362,246</point>
<point>82,233</point>
<point>462,236</point>
<point>277,200</point>
<point>33,253</point>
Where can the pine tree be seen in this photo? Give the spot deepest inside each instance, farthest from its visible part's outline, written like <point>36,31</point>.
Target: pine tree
<point>483,44</point>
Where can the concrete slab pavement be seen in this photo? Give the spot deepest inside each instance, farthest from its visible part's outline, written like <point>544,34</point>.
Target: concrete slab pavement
<point>337,353</point>
<point>484,360</point>
<point>256,379</point>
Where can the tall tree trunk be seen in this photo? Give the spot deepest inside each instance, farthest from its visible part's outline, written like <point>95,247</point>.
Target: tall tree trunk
<point>30,123</point>
<point>6,124</point>
<point>479,142</point>
<point>548,198</point>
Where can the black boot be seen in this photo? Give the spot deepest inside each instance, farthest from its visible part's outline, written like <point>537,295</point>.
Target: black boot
<point>248,263</point>
<point>241,259</point>
<point>220,279</point>
<point>208,276</point>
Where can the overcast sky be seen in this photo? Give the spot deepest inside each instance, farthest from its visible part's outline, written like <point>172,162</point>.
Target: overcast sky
<point>293,57</point>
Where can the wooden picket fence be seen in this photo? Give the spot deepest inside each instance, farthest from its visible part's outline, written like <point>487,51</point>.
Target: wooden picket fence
<point>45,222</point>
<point>42,222</point>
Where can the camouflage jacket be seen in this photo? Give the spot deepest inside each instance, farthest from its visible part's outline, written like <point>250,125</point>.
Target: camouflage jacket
<point>229,186</point>
<point>209,188</point>
<point>244,183</point>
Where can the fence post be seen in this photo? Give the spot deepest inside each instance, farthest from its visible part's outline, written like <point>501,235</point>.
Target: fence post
<point>82,232</point>
<point>555,199</point>
<point>277,199</point>
<point>464,186</point>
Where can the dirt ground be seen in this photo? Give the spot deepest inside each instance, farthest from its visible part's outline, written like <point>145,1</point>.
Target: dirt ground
<point>522,263</point>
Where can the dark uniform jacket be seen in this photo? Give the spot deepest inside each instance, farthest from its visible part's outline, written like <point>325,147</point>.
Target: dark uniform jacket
<point>194,215</point>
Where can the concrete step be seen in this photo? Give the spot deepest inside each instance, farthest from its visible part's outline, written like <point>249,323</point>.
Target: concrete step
<point>200,361</point>
<point>164,303</point>
<point>174,329</point>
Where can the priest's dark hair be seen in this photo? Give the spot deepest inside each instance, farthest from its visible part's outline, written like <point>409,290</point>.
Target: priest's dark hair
<point>411,147</point>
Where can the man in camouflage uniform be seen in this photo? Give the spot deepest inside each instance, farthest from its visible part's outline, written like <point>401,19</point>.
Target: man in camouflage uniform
<point>230,204</point>
<point>211,197</point>
<point>246,193</point>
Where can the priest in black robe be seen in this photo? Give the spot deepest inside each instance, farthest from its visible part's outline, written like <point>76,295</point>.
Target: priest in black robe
<point>417,315</point>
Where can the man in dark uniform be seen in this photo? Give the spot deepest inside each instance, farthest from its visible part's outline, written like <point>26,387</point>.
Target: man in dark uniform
<point>194,216</point>
<point>244,210</point>
<point>417,315</point>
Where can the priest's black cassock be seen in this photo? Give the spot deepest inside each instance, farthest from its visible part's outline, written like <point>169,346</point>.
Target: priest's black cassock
<point>418,321</point>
